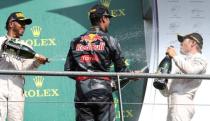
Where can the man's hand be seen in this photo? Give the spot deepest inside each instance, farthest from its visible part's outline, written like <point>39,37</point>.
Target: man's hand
<point>136,72</point>
<point>171,52</point>
<point>41,59</point>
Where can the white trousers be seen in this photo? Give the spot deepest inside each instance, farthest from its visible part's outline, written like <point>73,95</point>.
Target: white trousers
<point>180,107</point>
<point>11,101</point>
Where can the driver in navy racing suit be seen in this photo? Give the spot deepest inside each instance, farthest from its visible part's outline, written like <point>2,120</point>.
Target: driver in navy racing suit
<point>95,51</point>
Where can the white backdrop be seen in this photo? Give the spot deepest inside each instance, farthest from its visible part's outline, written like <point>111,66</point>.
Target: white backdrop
<point>177,17</point>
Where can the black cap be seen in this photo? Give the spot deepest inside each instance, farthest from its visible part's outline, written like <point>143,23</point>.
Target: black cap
<point>19,16</point>
<point>99,11</point>
<point>193,36</point>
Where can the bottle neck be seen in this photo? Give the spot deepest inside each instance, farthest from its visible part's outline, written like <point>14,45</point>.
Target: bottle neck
<point>167,56</point>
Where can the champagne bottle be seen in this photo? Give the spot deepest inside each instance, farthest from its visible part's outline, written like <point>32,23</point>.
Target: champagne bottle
<point>125,81</point>
<point>163,68</point>
<point>20,50</point>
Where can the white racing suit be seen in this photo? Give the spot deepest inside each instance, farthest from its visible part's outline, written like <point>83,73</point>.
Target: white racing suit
<point>11,86</point>
<point>181,92</point>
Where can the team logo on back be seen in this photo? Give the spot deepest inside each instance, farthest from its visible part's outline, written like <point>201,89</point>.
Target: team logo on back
<point>91,42</point>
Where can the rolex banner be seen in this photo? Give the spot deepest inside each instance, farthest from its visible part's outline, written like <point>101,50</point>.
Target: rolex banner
<point>178,17</point>
<point>55,24</point>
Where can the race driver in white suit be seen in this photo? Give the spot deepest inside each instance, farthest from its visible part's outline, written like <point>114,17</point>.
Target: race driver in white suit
<point>181,92</point>
<point>11,86</point>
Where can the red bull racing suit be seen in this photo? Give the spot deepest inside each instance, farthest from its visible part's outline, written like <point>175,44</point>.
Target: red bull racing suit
<point>94,51</point>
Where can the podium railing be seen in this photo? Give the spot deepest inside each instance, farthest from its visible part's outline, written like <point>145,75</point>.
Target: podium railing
<point>110,74</point>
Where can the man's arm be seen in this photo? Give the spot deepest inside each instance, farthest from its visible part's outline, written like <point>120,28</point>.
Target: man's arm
<point>70,62</point>
<point>31,64</point>
<point>194,66</point>
<point>117,58</point>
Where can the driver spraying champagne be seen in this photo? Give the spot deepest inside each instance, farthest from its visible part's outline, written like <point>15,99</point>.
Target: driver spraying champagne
<point>181,92</point>
<point>17,55</point>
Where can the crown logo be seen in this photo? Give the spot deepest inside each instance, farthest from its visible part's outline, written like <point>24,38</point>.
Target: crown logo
<point>38,81</point>
<point>36,31</point>
<point>105,3</point>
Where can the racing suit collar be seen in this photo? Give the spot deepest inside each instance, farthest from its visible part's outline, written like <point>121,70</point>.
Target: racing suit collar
<point>190,55</point>
<point>9,37</point>
<point>96,29</point>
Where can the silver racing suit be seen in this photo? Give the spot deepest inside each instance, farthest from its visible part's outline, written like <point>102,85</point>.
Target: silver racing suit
<point>181,92</point>
<point>11,86</point>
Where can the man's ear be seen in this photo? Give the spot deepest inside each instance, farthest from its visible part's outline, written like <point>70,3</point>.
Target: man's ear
<point>11,24</point>
<point>194,43</point>
<point>102,19</point>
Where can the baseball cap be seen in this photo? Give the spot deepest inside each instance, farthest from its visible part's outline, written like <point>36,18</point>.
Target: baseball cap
<point>19,16</point>
<point>193,36</point>
<point>99,11</point>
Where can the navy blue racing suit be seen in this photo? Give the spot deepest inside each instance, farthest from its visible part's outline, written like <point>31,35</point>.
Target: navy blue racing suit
<point>94,51</point>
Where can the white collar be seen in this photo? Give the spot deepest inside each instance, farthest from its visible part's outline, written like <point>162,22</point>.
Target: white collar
<point>9,37</point>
